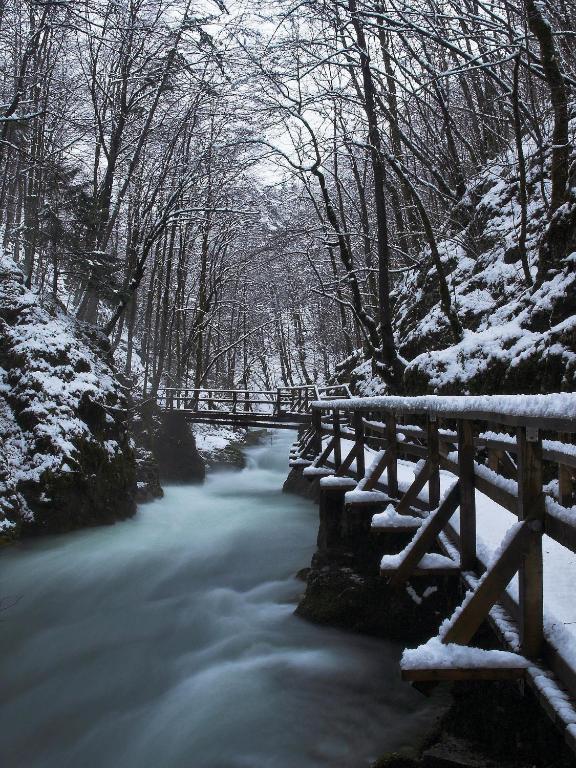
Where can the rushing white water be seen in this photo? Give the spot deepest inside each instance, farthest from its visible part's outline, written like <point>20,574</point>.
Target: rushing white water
<point>169,641</point>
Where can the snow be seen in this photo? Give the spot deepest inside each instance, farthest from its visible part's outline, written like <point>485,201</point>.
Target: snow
<point>419,599</point>
<point>316,471</point>
<point>212,439</point>
<point>337,482</point>
<point>391,519</point>
<point>367,497</point>
<point>560,405</point>
<point>430,560</point>
<point>436,655</point>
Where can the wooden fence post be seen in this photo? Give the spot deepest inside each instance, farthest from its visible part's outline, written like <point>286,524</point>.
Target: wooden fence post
<point>392,453</point>
<point>279,402</point>
<point>531,507</point>
<point>434,458</point>
<point>337,443</point>
<point>565,494</point>
<point>466,452</point>
<point>359,443</point>
<point>317,427</point>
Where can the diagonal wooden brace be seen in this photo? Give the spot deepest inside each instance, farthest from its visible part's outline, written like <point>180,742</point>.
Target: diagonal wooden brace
<point>412,493</point>
<point>319,460</point>
<point>347,463</point>
<point>375,471</point>
<point>426,535</point>
<point>492,584</point>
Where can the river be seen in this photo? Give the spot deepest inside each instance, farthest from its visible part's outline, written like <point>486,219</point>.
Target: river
<point>169,641</point>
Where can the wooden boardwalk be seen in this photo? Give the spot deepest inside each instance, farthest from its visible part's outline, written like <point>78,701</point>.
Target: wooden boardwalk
<point>458,452</point>
<point>520,467</point>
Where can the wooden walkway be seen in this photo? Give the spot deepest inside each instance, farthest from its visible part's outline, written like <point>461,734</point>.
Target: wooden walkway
<point>281,408</point>
<point>452,472</point>
<point>472,459</point>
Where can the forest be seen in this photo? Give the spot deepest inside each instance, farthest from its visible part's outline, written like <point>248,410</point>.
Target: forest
<point>279,193</point>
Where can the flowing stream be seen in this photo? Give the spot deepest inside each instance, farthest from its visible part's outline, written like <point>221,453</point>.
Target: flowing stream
<point>169,641</point>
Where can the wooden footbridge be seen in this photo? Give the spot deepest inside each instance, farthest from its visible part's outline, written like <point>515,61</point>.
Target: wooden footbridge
<point>485,488</point>
<point>280,408</point>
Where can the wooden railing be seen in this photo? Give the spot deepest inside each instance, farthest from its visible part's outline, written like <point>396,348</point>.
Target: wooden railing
<point>520,454</point>
<point>282,403</point>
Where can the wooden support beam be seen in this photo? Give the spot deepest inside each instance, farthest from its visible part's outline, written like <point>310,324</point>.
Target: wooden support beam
<point>359,444</point>
<point>337,438</point>
<point>531,508</point>
<point>392,456</point>
<point>456,674</point>
<point>426,536</point>
<point>466,451</point>
<point>346,463</point>
<point>317,429</point>
<point>566,494</point>
<point>434,459</point>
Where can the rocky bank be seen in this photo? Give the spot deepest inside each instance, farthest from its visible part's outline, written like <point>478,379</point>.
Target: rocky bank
<point>67,458</point>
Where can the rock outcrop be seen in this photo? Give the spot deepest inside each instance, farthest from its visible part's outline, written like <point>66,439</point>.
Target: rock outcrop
<point>67,459</point>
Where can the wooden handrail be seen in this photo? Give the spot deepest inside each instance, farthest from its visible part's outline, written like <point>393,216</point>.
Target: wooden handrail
<point>499,488</point>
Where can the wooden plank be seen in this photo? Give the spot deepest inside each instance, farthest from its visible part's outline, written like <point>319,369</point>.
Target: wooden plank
<point>567,458</point>
<point>412,449</point>
<point>547,423</point>
<point>434,457</point>
<point>455,674</point>
<point>565,492</point>
<point>337,439</point>
<point>359,441</point>
<point>426,536</point>
<point>562,531</point>
<point>317,428</point>
<point>531,508</point>
<point>466,452</point>
<point>392,454</point>
<point>490,587</point>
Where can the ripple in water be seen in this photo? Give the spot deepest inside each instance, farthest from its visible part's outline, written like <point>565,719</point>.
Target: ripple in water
<point>169,641</point>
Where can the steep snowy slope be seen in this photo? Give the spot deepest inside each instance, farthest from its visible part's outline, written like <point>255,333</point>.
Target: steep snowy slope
<point>66,457</point>
<point>517,339</point>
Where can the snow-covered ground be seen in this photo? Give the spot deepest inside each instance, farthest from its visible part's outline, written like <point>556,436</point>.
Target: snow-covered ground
<point>212,440</point>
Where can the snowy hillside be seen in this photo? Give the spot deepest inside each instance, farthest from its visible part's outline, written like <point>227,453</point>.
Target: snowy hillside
<point>66,458</point>
<point>517,338</point>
